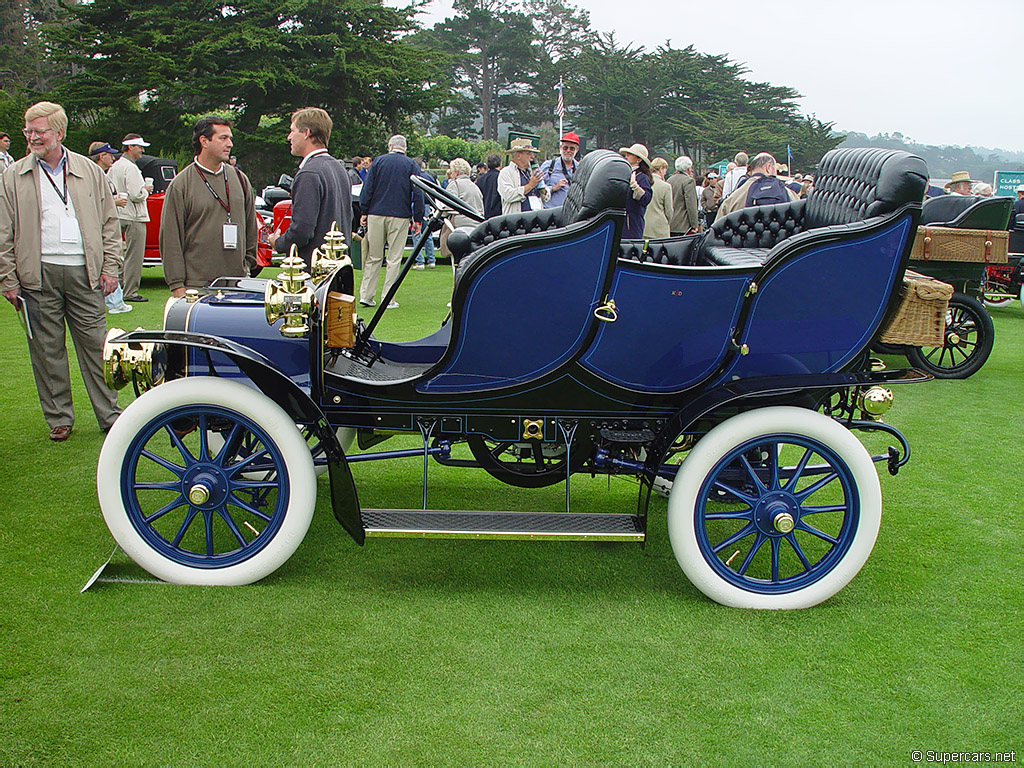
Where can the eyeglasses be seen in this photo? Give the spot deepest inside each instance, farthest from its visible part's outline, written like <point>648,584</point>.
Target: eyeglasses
<point>30,132</point>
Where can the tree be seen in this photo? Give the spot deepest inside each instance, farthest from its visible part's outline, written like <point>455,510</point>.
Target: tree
<point>493,56</point>
<point>147,65</point>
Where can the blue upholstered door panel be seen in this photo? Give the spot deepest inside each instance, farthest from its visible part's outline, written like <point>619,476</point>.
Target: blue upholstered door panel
<point>819,309</point>
<point>525,312</point>
<point>673,327</point>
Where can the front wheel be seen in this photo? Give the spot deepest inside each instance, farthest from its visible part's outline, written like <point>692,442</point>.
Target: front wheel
<point>967,341</point>
<point>774,508</point>
<point>193,510</point>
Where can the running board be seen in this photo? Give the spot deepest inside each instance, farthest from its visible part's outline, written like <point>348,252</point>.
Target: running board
<point>560,526</point>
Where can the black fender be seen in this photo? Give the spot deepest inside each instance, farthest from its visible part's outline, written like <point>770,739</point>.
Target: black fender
<point>296,403</point>
<point>741,389</point>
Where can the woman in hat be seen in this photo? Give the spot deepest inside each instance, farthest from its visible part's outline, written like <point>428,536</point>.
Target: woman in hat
<point>640,186</point>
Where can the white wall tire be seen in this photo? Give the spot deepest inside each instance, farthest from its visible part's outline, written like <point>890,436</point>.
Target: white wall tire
<point>728,507</point>
<point>151,483</point>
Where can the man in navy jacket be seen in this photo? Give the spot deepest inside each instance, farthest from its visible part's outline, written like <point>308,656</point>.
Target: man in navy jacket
<point>386,200</point>
<point>321,191</point>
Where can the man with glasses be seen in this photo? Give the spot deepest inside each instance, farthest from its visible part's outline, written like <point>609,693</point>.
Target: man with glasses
<point>60,254</point>
<point>558,171</point>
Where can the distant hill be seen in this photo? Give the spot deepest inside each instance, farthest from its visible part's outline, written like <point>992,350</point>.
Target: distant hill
<point>980,162</point>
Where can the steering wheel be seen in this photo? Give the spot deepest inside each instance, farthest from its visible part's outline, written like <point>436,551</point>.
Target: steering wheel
<point>437,193</point>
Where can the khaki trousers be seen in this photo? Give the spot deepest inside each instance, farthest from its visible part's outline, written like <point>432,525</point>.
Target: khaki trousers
<point>134,233</point>
<point>67,298</point>
<point>382,232</point>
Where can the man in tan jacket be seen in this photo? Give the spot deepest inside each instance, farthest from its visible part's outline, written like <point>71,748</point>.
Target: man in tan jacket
<point>60,254</point>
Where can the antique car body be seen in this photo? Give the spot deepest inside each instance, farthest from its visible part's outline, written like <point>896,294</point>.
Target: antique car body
<point>744,350</point>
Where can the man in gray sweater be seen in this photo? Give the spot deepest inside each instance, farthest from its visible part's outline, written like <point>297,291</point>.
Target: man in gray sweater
<point>208,225</point>
<point>321,190</point>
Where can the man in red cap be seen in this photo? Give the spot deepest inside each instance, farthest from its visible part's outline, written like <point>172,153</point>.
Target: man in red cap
<point>557,172</point>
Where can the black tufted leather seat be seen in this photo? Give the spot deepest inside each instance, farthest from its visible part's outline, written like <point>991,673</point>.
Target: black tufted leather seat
<point>678,251</point>
<point>851,185</point>
<point>601,183</point>
<point>963,212</point>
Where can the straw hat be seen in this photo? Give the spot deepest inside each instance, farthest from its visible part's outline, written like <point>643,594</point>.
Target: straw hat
<point>639,150</point>
<point>959,176</point>
<point>521,145</point>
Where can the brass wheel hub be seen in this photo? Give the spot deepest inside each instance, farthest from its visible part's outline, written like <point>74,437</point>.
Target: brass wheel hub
<point>783,522</point>
<point>198,494</point>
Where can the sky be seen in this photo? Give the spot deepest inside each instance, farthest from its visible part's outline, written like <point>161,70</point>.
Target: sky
<point>943,72</point>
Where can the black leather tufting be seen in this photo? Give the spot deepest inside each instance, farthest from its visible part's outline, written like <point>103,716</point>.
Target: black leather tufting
<point>677,251</point>
<point>857,183</point>
<point>601,183</point>
<point>851,185</point>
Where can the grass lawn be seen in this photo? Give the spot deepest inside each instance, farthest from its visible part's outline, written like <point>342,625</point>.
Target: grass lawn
<point>519,653</point>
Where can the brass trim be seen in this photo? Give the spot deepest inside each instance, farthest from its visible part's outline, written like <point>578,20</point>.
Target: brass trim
<point>412,533</point>
<point>607,312</point>
<point>533,429</point>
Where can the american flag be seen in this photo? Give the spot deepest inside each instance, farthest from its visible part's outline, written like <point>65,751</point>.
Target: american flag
<point>560,109</point>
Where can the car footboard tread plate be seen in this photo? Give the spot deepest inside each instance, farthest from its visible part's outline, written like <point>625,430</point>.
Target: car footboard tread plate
<point>560,526</point>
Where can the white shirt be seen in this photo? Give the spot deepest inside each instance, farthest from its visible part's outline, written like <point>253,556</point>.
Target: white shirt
<point>321,151</point>
<point>54,214</point>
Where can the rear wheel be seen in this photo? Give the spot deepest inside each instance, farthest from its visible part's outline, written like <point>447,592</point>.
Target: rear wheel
<point>774,508</point>
<point>528,464</point>
<point>192,513</point>
<point>967,343</point>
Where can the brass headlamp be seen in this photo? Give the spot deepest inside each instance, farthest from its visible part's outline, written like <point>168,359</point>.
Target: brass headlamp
<point>290,297</point>
<point>143,361</point>
<point>331,255</point>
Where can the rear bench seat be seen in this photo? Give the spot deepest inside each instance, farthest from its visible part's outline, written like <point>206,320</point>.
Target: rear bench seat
<point>851,185</point>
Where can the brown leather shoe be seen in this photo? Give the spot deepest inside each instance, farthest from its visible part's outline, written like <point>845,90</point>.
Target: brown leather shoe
<point>61,433</point>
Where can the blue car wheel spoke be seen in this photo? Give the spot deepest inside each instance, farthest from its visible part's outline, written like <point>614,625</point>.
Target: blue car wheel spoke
<point>750,555</point>
<point>185,524</point>
<point>799,552</point>
<point>232,499</point>
<point>804,526</point>
<point>798,470</point>
<point>178,443</point>
<point>815,487</point>
<point>177,469</point>
<point>232,526</point>
<point>745,497</point>
<point>178,502</point>
<point>740,534</point>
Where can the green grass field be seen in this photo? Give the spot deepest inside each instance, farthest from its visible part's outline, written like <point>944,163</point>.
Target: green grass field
<point>492,653</point>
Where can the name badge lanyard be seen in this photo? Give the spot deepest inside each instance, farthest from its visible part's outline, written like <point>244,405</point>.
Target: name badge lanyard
<point>227,191</point>
<point>63,196</point>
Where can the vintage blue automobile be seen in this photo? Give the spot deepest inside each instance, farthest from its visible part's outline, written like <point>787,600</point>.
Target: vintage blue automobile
<point>744,351</point>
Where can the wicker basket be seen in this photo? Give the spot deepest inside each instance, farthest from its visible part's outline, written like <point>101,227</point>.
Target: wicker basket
<point>988,246</point>
<point>920,320</point>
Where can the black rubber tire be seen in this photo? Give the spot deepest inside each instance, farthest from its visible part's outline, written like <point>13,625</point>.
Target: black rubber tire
<point>969,338</point>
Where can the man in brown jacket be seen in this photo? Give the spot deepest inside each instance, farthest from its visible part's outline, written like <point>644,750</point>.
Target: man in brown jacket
<point>60,254</point>
<point>208,223</point>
